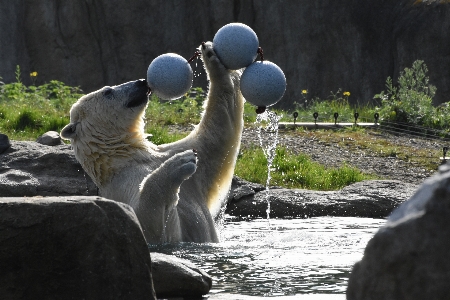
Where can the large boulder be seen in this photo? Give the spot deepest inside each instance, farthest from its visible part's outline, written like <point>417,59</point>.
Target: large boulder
<point>408,257</point>
<point>33,169</point>
<point>72,248</point>
<point>371,198</point>
<point>320,45</point>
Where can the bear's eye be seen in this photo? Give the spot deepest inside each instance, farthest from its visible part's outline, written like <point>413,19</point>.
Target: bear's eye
<point>108,93</point>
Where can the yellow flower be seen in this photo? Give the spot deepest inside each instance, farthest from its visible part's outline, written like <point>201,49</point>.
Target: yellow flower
<point>304,91</point>
<point>346,94</point>
<point>33,74</point>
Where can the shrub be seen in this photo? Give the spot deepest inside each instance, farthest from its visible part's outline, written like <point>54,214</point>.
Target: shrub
<point>410,101</point>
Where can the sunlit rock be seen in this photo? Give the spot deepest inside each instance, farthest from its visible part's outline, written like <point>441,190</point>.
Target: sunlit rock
<point>50,138</point>
<point>371,198</point>
<point>32,169</point>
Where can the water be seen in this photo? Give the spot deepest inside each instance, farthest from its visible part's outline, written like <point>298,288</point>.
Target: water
<point>280,258</point>
<point>294,257</point>
<point>268,140</point>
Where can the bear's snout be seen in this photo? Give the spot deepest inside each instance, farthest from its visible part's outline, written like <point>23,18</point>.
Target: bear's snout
<point>138,94</point>
<point>141,82</point>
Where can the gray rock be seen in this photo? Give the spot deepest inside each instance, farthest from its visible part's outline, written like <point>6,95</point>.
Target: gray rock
<point>371,198</point>
<point>357,48</point>
<point>72,248</point>
<point>241,188</point>
<point>50,138</point>
<point>175,277</point>
<point>32,169</point>
<point>4,143</point>
<point>408,257</point>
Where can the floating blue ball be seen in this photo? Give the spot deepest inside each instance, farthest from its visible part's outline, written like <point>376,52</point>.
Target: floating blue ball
<point>263,83</point>
<point>236,45</point>
<point>169,76</point>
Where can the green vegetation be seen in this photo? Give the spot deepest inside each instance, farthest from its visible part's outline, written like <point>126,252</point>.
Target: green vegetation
<point>411,100</point>
<point>28,111</point>
<point>295,171</point>
<point>358,138</point>
<point>337,102</point>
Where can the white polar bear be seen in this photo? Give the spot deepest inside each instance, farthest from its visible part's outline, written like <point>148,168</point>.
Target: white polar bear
<point>175,197</point>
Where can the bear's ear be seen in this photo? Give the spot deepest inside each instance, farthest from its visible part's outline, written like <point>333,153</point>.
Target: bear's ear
<point>69,131</point>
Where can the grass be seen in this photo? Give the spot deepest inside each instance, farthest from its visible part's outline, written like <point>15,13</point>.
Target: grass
<point>29,111</point>
<point>359,138</point>
<point>295,171</point>
<point>337,102</point>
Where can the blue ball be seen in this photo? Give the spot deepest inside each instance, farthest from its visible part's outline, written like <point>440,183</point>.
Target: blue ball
<point>169,76</point>
<point>263,83</point>
<point>236,45</point>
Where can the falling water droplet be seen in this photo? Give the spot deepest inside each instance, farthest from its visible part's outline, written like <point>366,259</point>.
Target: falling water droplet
<point>268,139</point>
<point>85,182</point>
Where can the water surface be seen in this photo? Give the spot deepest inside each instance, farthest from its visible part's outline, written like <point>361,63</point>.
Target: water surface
<point>293,257</point>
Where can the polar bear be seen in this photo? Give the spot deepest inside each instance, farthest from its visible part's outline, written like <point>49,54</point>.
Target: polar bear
<point>174,195</point>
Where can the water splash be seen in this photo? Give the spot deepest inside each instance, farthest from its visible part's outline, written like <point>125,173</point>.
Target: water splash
<point>268,140</point>
<point>196,71</point>
<point>86,182</point>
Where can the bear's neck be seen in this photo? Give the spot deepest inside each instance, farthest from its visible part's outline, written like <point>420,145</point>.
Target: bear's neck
<point>102,159</point>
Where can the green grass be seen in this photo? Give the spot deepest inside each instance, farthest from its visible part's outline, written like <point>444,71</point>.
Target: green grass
<point>29,111</point>
<point>160,135</point>
<point>337,102</point>
<point>295,171</point>
<point>184,111</point>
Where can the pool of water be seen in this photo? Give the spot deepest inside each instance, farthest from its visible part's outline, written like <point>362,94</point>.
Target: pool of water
<point>281,257</point>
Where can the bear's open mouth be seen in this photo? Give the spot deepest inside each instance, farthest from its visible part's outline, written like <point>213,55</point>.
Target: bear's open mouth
<point>139,94</point>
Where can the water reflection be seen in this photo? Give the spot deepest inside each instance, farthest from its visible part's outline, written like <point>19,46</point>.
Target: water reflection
<point>297,256</point>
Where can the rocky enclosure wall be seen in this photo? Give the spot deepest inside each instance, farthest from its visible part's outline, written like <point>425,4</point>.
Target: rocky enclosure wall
<point>321,45</point>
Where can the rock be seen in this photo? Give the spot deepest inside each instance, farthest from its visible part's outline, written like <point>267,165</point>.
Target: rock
<point>408,257</point>
<point>4,143</point>
<point>356,49</point>
<point>241,188</point>
<point>31,169</point>
<point>371,198</point>
<point>50,138</point>
<point>72,248</point>
<point>174,277</point>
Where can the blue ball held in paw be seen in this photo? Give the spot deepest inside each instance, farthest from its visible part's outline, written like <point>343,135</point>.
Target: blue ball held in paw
<point>169,76</point>
<point>235,44</point>
<point>263,83</point>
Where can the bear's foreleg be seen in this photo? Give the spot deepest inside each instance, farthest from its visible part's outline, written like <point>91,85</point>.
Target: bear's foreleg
<point>158,200</point>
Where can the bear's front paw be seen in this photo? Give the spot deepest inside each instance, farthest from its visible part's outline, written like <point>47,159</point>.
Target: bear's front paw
<point>210,59</point>
<point>183,165</point>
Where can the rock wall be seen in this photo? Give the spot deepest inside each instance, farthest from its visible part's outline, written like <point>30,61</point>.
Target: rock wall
<point>321,45</point>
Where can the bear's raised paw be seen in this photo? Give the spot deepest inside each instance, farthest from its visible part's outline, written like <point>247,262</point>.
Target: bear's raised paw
<point>182,165</point>
<point>212,63</point>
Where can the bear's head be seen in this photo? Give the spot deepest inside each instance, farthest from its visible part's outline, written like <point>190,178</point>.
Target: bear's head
<point>107,123</point>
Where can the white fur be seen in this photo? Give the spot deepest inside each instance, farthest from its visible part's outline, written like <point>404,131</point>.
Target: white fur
<point>174,196</point>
